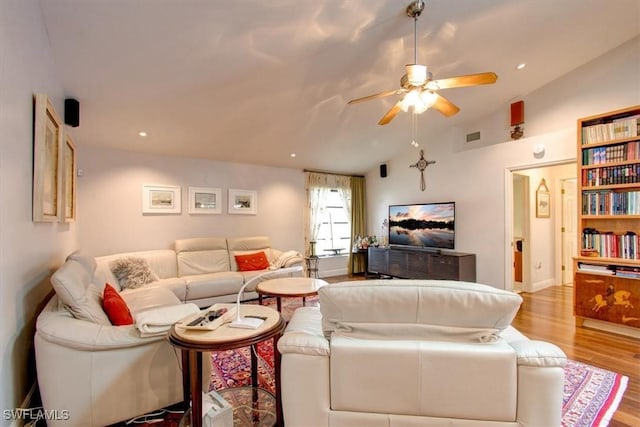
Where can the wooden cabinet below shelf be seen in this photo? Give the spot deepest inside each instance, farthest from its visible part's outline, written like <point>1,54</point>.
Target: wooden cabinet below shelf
<point>607,298</point>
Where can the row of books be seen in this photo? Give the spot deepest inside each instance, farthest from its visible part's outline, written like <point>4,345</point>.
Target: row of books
<point>608,202</point>
<point>611,175</point>
<point>610,245</point>
<point>625,127</point>
<point>611,153</point>
<point>618,270</point>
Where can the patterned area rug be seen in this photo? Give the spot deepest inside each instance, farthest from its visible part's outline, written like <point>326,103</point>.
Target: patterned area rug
<point>591,395</point>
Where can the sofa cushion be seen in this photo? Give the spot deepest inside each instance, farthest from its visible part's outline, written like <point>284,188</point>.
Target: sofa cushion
<point>115,307</point>
<point>252,262</point>
<point>248,245</point>
<point>132,272</point>
<point>176,285</point>
<point>205,285</point>
<point>410,309</point>
<point>72,283</point>
<point>202,256</point>
<point>149,297</point>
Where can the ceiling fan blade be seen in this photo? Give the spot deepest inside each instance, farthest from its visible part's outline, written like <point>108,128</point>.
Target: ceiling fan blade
<point>462,81</point>
<point>390,114</point>
<point>445,106</point>
<point>377,95</point>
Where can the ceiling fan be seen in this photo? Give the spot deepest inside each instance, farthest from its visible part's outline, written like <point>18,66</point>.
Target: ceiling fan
<point>420,91</point>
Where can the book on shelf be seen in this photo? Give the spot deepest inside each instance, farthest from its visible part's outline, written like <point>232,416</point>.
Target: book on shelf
<point>611,175</point>
<point>609,202</point>
<point>619,128</point>
<point>611,245</point>
<point>595,268</point>
<point>612,153</point>
<point>624,271</point>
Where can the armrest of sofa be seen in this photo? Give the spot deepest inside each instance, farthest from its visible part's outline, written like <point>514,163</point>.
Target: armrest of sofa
<point>538,354</point>
<point>304,334</point>
<point>61,328</point>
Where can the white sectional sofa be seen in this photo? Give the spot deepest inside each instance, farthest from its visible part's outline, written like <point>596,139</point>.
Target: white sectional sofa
<point>409,353</point>
<point>103,374</point>
<point>204,270</point>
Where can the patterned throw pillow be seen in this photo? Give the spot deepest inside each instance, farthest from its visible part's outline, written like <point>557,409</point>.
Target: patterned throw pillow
<point>132,272</point>
<point>251,262</point>
<point>115,307</point>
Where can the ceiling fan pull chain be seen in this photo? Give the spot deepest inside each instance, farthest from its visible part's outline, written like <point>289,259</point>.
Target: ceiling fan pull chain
<point>415,39</point>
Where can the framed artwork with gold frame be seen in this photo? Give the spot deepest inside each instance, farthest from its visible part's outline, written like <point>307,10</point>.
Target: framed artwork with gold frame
<point>47,143</point>
<point>69,168</point>
<point>543,200</point>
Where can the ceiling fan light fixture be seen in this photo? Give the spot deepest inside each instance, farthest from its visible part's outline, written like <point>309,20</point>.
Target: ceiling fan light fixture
<point>416,74</point>
<point>428,98</point>
<point>413,99</point>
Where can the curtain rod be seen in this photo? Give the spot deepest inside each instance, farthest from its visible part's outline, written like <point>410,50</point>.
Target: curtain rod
<point>330,173</point>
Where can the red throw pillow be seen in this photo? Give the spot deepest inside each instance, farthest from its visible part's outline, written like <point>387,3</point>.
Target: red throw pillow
<point>115,307</point>
<point>250,262</point>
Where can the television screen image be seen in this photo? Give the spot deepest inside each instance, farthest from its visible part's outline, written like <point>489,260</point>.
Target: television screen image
<point>429,225</point>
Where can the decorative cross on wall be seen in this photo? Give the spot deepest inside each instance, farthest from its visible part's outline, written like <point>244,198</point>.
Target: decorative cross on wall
<point>422,165</point>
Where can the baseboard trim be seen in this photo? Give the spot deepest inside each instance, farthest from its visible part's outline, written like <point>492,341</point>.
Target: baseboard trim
<point>26,403</point>
<point>538,286</point>
<point>331,273</point>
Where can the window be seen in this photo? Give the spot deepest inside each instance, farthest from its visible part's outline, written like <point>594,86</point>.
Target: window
<point>335,227</point>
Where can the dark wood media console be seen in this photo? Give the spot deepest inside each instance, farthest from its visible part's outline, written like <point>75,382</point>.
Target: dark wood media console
<point>420,263</point>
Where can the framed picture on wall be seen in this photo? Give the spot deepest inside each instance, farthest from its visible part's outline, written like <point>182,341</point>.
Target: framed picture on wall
<point>161,199</point>
<point>243,202</point>
<point>47,143</point>
<point>543,200</point>
<point>68,180</point>
<point>205,200</point>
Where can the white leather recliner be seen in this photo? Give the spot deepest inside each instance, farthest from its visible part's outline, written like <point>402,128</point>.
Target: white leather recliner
<point>417,353</point>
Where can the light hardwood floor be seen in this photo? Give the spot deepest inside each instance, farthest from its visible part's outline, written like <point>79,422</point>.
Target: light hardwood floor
<point>547,315</point>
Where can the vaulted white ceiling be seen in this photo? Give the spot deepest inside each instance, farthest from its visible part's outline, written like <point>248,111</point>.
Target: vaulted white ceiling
<point>253,81</point>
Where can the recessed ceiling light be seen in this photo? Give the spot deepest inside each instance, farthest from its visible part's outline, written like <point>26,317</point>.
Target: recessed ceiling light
<point>142,133</point>
<point>521,66</point>
<point>292,154</point>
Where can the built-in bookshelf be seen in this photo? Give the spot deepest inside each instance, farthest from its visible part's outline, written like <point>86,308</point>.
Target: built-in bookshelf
<point>607,271</point>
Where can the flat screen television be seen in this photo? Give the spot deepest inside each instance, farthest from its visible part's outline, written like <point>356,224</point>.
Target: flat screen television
<point>427,225</point>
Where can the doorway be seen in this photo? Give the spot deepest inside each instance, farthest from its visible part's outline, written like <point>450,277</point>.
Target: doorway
<point>568,228</point>
<point>520,231</point>
<point>540,246</point>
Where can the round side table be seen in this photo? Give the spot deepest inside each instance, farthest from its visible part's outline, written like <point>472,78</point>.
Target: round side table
<point>192,343</point>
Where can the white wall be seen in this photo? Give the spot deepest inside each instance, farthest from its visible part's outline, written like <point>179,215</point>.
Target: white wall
<point>474,176</point>
<point>28,251</point>
<point>110,201</point>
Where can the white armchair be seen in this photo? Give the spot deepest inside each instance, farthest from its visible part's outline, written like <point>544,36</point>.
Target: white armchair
<point>417,353</point>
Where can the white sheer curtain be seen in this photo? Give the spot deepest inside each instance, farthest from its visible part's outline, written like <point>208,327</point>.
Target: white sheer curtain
<point>317,186</point>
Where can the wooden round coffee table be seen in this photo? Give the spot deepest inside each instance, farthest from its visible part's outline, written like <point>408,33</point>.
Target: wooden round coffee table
<point>289,287</point>
<point>193,343</point>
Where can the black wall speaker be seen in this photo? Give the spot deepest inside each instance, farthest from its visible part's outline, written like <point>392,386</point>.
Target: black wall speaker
<point>72,112</point>
<point>383,170</point>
